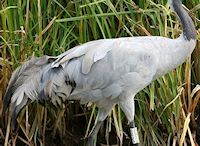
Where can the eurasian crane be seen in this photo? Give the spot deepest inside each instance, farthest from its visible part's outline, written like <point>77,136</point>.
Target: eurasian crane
<point>106,72</point>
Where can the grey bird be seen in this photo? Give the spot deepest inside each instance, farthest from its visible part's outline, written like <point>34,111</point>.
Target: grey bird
<point>106,72</point>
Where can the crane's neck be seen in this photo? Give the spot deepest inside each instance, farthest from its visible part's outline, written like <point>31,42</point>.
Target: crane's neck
<point>174,52</point>
<point>189,31</point>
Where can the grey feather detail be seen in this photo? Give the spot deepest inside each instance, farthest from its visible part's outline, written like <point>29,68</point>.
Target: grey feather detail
<point>15,110</point>
<point>8,95</point>
<point>72,53</point>
<point>91,96</point>
<point>87,62</point>
<point>15,81</point>
<point>91,52</point>
<point>56,86</point>
<point>24,85</point>
<point>96,53</point>
<point>113,91</point>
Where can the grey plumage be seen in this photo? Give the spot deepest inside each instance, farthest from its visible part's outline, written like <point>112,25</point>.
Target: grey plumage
<point>107,72</point>
<point>24,85</point>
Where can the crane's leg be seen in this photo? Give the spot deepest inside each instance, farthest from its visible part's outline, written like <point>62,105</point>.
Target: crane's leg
<point>102,114</point>
<point>128,106</point>
<point>93,135</point>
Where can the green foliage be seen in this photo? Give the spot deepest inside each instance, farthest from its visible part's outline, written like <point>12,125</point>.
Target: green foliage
<point>38,27</point>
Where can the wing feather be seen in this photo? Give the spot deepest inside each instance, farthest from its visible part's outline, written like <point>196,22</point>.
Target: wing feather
<point>91,52</point>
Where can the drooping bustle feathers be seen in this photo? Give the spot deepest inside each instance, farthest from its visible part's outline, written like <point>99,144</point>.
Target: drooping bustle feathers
<point>24,85</point>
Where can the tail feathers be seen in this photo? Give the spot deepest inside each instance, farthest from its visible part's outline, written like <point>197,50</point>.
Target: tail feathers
<point>16,110</point>
<point>10,89</point>
<point>8,94</point>
<point>36,80</point>
<point>55,86</point>
<point>24,86</point>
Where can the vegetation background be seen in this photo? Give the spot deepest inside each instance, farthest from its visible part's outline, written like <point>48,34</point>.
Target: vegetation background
<point>167,111</point>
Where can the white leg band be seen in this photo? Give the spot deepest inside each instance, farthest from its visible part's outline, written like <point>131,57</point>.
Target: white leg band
<point>134,135</point>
